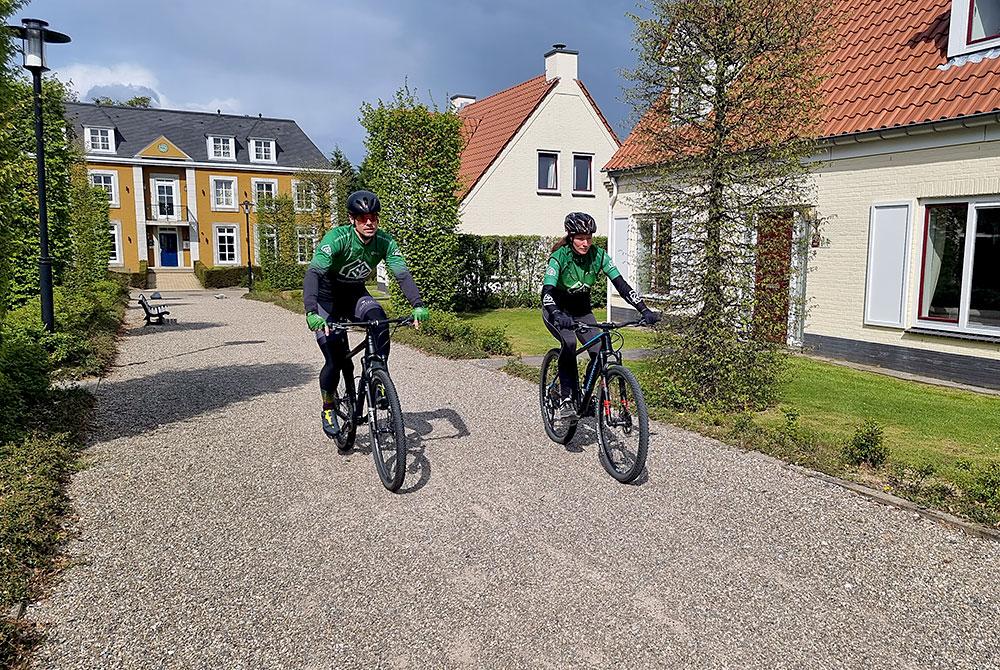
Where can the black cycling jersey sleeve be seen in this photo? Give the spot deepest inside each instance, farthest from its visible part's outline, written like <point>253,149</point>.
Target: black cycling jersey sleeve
<point>630,294</point>
<point>408,286</point>
<point>310,290</point>
<point>549,306</point>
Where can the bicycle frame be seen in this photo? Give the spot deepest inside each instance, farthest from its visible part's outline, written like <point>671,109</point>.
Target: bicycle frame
<point>368,361</point>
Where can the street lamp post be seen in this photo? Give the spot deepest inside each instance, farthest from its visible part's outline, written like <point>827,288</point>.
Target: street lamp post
<point>34,34</point>
<point>247,205</point>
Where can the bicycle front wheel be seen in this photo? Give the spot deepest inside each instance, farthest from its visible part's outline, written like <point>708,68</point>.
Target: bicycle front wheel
<point>623,425</point>
<point>388,435</point>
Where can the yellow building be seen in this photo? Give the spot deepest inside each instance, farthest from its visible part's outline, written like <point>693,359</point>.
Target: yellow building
<point>177,180</point>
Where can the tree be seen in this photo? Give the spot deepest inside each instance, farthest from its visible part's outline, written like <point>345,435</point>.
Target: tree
<point>729,95</point>
<point>89,227</point>
<point>140,101</point>
<point>8,149</point>
<point>277,242</point>
<point>412,164</point>
<point>347,182</point>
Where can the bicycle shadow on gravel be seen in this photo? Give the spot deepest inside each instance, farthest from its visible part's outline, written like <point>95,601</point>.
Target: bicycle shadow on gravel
<point>420,431</point>
<point>130,407</point>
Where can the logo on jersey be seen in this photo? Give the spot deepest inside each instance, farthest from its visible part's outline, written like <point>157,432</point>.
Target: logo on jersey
<point>326,249</point>
<point>633,296</point>
<point>578,287</point>
<point>356,271</point>
<point>548,300</point>
<point>551,272</point>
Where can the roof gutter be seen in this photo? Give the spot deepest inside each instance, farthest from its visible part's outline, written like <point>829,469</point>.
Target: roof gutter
<point>972,121</point>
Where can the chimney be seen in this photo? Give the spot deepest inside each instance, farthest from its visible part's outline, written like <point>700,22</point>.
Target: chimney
<point>460,101</point>
<point>560,62</point>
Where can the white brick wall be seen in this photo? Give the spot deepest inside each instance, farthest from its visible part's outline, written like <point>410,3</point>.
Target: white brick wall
<point>846,190</point>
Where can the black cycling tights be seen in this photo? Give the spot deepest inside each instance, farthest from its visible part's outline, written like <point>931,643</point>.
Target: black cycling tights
<point>335,350</point>
<point>568,383</point>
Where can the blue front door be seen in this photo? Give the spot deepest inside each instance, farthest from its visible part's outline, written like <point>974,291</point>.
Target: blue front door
<point>168,250</point>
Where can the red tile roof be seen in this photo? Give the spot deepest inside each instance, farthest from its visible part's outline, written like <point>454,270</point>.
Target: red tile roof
<point>490,123</point>
<point>886,71</point>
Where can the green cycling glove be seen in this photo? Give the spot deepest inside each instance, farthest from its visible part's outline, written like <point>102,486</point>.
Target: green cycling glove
<point>421,313</point>
<point>315,321</point>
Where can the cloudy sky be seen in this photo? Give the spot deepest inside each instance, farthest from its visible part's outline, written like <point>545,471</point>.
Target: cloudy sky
<point>316,61</point>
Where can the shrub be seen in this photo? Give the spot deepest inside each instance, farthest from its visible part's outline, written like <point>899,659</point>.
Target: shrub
<point>494,341</point>
<point>986,486</point>
<point>866,446</point>
<point>222,277</point>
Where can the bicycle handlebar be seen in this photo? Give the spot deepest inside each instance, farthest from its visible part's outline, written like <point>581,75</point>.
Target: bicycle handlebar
<point>610,325</point>
<point>402,320</point>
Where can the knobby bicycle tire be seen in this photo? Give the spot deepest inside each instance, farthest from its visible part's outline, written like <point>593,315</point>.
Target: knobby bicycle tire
<point>617,374</point>
<point>394,424</point>
<point>565,433</point>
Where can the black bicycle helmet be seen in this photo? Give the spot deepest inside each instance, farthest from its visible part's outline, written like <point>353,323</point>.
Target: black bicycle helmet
<point>580,223</point>
<point>363,202</point>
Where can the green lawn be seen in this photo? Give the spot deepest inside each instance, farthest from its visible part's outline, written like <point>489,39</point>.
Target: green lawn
<point>529,336</point>
<point>923,423</point>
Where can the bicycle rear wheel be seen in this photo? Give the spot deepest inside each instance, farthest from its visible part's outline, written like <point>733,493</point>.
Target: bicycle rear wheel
<point>622,425</point>
<point>343,410</point>
<point>388,434</point>
<point>560,431</point>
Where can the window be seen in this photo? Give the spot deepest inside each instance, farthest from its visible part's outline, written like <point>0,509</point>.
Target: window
<point>115,256</point>
<point>960,273</point>
<point>108,180</point>
<point>221,148</point>
<point>264,189</point>
<point>305,196</point>
<point>267,241</point>
<point>100,140</point>
<point>224,193</point>
<point>226,245</point>
<point>653,262</point>
<point>548,171</point>
<point>984,21</point>
<point>974,26</point>
<point>262,151</point>
<point>582,173</point>
<point>306,244</point>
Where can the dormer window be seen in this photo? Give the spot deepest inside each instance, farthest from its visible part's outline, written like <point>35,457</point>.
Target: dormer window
<point>222,148</point>
<point>100,140</point>
<point>262,151</point>
<point>975,26</point>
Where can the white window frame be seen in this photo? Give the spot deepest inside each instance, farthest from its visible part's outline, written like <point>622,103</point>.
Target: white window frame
<point>88,130</point>
<point>870,275</point>
<point>959,33</point>
<point>257,245</point>
<point>305,232</point>
<point>295,198</point>
<point>113,199</point>
<point>253,150</point>
<point>154,199</point>
<point>590,156</point>
<point>236,243</point>
<point>260,180</point>
<point>216,207</point>
<point>119,257</point>
<point>210,144</point>
<point>963,326</point>
<point>538,158</point>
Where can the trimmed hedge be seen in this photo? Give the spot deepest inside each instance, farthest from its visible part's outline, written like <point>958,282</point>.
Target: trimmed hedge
<point>223,277</point>
<point>506,271</point>
<point>134,279</point>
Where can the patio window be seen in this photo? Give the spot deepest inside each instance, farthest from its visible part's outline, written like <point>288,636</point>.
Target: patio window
<point>960,274</point>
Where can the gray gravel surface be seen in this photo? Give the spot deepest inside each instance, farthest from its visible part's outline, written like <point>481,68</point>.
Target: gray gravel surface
<point>218,528</point>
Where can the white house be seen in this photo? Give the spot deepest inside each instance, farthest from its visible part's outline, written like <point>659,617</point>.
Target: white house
<point>533,153</point>
<point>908,276</point>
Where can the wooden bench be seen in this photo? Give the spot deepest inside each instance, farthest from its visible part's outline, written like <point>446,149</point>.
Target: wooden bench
<point>153,312</point>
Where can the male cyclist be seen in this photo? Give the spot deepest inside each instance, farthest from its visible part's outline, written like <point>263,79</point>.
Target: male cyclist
<point>574,267</point>
<point>334,290</point>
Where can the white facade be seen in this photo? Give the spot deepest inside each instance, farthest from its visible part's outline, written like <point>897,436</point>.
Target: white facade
<point>506,199</point>
<point>864,281</point>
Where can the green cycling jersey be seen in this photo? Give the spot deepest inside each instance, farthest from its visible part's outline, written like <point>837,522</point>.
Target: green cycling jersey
<point>576,274</point>
<point>342,256</point>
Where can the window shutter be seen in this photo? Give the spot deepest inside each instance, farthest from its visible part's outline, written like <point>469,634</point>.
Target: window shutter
<point>888,252</point>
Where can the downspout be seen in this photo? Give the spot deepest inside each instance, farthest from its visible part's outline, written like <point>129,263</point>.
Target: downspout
<point>611,234</point>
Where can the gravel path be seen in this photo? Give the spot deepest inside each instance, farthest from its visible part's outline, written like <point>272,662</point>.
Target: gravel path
<point>218,528</point>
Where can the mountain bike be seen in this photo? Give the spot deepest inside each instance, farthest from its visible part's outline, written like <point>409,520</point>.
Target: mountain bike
<point>622,418</point>
<point>384,416</point>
